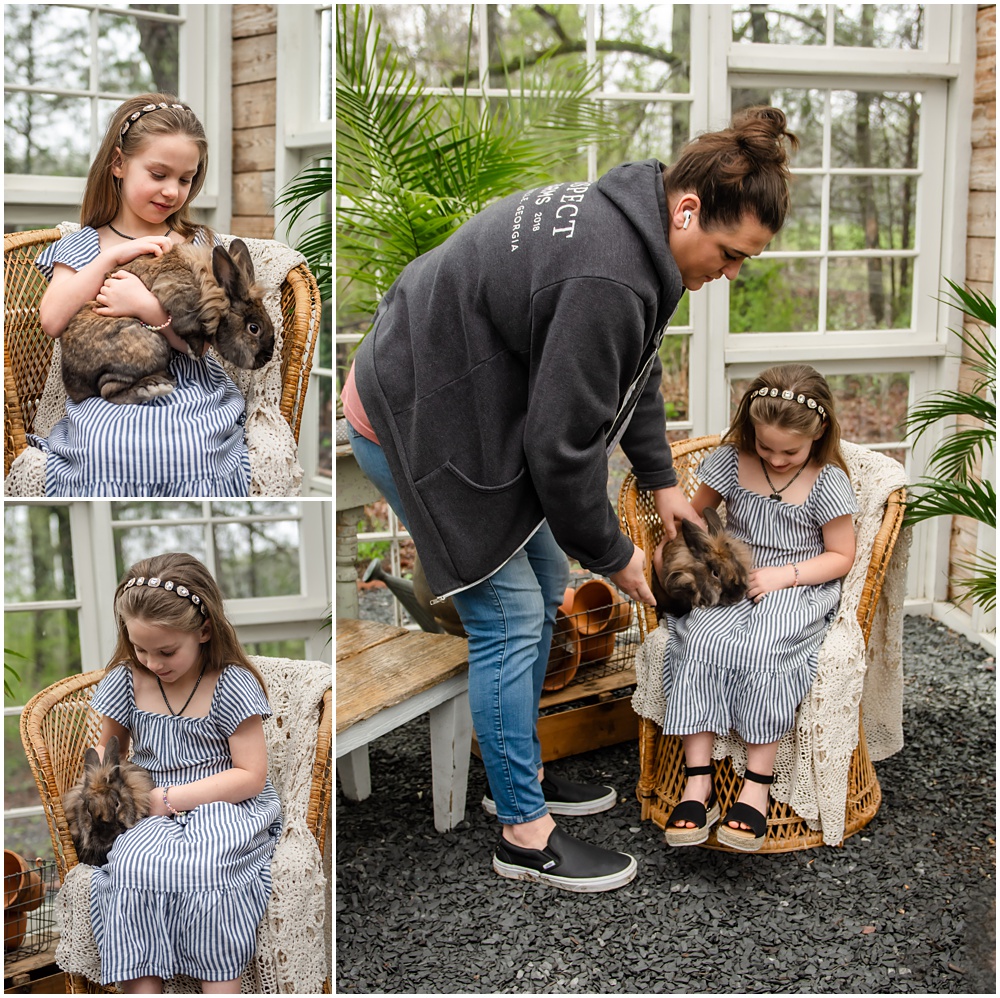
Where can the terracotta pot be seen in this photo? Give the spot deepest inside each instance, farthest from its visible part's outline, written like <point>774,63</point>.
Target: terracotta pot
<point>32,891</point>
<point>14,927</point>
<point>599,612</point>
<point>564,658</point>
<point>15,867</point>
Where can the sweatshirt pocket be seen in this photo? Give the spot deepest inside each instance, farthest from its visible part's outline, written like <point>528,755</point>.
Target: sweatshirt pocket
<point>485,489</point>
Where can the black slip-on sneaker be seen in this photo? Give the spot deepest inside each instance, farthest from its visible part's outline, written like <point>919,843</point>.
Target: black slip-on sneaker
<point>566,797</point>
<point>567,863</point>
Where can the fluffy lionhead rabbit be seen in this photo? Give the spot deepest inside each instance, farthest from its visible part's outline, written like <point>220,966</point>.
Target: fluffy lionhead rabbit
<point>111,796</point>
<point>701,568</point>
<point>210,297</point>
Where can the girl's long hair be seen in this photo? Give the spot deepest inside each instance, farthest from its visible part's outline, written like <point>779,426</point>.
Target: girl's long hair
<point>740,170</point>
<point>102,197</point>
<point>789,414</point>
<point>165,608</point>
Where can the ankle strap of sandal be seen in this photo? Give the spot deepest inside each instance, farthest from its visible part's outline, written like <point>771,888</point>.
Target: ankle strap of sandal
<point>756,777</point>
<point>698,770</point>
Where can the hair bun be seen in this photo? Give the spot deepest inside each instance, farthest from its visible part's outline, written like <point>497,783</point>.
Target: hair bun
<point>761,131</point>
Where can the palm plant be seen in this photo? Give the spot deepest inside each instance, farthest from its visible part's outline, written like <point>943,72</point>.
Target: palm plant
<point>954,488</point>
<point>311,186</point>
<point>412,166</point>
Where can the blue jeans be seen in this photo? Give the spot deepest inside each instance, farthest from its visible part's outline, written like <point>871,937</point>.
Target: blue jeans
<point>509,619</point>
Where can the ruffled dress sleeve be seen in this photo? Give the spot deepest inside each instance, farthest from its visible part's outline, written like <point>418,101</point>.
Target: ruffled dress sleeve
<point>239,697</point>
<point>720,469</point>
<point>75,250</point>
<point>114,697</point>
<point>834,496</point>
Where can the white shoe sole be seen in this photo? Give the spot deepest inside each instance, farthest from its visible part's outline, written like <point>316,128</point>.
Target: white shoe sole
<point>591,885</point>
<point>604,803</point>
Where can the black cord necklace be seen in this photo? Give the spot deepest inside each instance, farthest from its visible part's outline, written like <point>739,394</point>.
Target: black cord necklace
<point>776,492</point>
<point>170,229</point>
<point>186,702</point>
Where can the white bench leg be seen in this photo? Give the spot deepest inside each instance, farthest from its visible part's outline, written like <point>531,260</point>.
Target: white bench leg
<point>451,743</point>
<point>355,776</point>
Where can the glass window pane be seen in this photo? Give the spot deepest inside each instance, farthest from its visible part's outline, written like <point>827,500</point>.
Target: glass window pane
<point>879,25</point>
<point>45,44</point>
<point>46,134</point>
<point>135,509</point>
<point>804,110</point>
<point>675,352</point>
<point>258,559</point>
<point>433,37</point>
<point>253,507</point>
<point>649,129</point>
<point>871,407</point>
<point>661,33</point>
<point>46,644</point>
<point>326,66</point>
<point>803,228</point>
<point>868,294</point>
<point>880,130</point>
<point>38,554</point>
<point>780,23</point>
<point>522,31</point>
<point>872,212</point>
<point>137,543</point>
<point>324,461</point>
<point>294,648</point>
<point>136,55</point>
<point>775,296</point>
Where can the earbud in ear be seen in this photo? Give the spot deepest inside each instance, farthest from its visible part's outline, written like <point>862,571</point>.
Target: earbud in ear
<point>687,219</point>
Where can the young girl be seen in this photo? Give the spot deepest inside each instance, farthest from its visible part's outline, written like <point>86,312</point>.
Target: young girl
<point>184,890</point>
<point>747,667</point>
<point>150,166</point>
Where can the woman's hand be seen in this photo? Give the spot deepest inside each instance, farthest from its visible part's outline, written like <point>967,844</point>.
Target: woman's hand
<point>631,579</point>
<point>767,580</point>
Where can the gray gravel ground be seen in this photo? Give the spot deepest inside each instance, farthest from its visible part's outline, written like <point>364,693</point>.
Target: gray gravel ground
<point>906,906</point>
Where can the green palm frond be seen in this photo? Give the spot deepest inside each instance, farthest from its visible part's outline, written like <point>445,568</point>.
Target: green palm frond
<point>981,588</point>
<point>412,166</point>
<point>947,497</point>
<point>309,188</point>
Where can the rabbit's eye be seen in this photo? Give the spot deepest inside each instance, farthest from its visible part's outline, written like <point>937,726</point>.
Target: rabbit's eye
<point>253,329</point>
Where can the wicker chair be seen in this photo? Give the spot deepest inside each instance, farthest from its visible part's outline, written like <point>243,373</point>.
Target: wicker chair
<point>57,726</point>
<point>661,757</point>
<point>27,351</point>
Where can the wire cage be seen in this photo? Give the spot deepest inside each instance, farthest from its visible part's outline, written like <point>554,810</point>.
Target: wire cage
<point>29,891</point>
<point>595,634</point>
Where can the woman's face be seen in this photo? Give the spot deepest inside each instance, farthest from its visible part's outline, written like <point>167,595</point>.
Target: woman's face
<point>704,255</point>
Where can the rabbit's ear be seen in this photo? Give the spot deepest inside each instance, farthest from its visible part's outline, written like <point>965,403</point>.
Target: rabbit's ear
<point>713,521</point>
<point>694,537</point>
<point>241,255</point>
<point>111,752</point>
<point>229,277</point>
<point>91,761</point>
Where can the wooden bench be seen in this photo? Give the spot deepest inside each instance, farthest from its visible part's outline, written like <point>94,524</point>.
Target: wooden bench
<point>387,676</point>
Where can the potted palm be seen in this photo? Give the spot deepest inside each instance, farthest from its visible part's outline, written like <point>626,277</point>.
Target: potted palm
<point>955,487</point>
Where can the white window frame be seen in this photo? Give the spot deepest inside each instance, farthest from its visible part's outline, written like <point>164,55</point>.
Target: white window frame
<point>204,75</point>
<point>301,135</point>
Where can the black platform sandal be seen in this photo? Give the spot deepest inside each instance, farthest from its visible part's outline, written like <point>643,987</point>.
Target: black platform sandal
<point>740,838</point>
<point>703,815</point>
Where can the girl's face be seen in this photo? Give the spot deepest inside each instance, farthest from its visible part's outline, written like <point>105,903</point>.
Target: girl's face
<point>783,450</point>
<point>704,255</point>
<point>167,652</point>
<point>155,182</point>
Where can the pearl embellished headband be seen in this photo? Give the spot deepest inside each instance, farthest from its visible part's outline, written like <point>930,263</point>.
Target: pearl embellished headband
<point>136,115</point>
<point>171,587</point>
<point>789,396</point>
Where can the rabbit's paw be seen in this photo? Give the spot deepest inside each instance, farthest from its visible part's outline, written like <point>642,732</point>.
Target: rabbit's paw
<point>144,390</point>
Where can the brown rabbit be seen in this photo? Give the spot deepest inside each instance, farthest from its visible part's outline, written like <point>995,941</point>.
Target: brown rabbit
<point>210,297</point>
<point>111,796</point>
<point>701,569</point>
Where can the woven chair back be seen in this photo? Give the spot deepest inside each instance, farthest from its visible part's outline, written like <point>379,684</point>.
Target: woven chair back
<point>661,757</point>
<point>28,351</point>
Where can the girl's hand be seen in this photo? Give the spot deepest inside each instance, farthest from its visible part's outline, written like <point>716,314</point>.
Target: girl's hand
<point>156,806</point>
<point>767,580</point>
<point>123,294</point>
<point>126,252</point>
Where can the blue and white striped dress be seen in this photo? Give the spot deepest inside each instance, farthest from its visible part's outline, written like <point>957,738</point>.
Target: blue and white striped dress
<point>188,443</point>
<point>184,895</point>
<point>747,667</point>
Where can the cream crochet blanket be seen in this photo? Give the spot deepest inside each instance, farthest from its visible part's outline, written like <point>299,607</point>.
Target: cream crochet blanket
<point>274,465</point>
<point>810,772</point>
<point>293,938</point>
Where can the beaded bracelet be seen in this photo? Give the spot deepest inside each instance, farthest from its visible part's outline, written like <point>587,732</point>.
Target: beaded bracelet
<point>795,569</point>
<point>156,329</point>
<point>167,803</point>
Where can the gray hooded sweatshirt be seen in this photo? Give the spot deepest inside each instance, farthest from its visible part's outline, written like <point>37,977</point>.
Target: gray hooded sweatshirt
<point>504,365</point>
